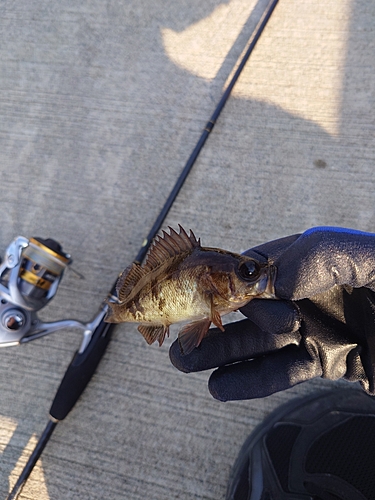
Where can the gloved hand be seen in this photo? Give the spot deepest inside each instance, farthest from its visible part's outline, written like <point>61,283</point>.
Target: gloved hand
<point>324,324</point>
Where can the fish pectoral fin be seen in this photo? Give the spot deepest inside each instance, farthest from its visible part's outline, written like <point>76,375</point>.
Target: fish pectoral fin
<point>192,334</point>
<point>152,333</point>
<point>216,318</point>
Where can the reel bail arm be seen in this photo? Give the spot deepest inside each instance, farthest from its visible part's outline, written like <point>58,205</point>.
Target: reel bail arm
<point>29,277</point>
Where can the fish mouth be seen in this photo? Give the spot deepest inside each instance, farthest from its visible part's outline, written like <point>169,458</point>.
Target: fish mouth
<point>268,280</point>
<point>265,286</point>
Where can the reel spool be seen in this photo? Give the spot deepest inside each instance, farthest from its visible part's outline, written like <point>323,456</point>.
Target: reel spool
<point>43,263</point>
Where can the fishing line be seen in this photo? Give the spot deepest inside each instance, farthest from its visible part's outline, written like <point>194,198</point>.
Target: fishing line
<point>87,358</point>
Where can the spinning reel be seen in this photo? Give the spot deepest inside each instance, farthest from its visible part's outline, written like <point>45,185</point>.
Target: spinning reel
<point>29,277</point>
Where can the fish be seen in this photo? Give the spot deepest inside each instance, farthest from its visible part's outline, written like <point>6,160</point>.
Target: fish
<point>183,281</point>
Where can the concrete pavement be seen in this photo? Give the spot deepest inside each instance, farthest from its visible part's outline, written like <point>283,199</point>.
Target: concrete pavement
<point>101,104</point>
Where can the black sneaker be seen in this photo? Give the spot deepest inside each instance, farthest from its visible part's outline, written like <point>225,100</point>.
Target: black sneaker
<point>321,447</point>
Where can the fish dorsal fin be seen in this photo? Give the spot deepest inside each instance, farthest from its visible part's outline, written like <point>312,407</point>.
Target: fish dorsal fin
<point>128,279</point>
<point>168,246</point>
<point>163,248</point>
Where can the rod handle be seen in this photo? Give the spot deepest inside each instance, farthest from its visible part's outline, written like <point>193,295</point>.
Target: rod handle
<point>80,371</point>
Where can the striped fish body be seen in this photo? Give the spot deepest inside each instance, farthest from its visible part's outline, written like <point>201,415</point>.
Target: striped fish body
<point>183,281</point>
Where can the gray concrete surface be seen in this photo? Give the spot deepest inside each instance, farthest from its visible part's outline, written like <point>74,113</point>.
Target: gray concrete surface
<point>101,104</point>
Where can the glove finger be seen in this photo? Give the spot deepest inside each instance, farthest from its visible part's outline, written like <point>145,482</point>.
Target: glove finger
<point>261,377</point>
<point>271,250</point>
<point>273,316</point>
<point>241,340</point>
<point>323,257</point>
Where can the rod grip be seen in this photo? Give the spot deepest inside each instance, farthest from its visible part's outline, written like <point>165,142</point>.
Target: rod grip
<point>80,371</point>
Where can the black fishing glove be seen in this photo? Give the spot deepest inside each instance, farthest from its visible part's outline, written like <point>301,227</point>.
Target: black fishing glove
<point>324,324</point>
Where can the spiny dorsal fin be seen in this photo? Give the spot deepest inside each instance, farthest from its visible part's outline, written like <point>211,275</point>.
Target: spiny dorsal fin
<point>127,280</point>
<point>169,245</point>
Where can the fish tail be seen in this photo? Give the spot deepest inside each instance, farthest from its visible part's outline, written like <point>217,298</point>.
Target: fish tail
<point>112,313</point>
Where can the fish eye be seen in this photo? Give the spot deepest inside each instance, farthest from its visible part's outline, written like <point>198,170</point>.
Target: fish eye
<point>249,270</point>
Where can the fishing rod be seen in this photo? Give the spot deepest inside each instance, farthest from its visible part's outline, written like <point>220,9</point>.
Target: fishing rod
<point>32,270</point>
